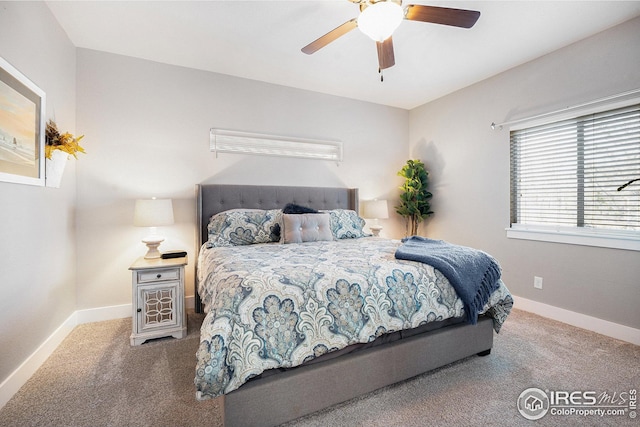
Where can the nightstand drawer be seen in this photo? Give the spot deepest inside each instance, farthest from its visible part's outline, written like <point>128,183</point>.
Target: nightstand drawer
<point>159,275</point>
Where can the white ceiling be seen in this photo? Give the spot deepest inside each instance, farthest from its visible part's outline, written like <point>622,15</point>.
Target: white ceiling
<point>261,40</point>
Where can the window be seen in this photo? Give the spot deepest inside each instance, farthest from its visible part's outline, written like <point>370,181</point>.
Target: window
<point>565,177</point>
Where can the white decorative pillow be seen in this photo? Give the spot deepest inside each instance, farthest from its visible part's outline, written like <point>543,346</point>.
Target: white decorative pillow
<point>244,227</point>
<point>346,224</point>
<point>298,228</point>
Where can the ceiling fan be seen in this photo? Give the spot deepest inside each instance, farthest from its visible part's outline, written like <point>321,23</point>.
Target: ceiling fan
<point>378,19</point>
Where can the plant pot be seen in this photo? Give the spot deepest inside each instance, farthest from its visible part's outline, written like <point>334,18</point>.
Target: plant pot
<point>55,168</point>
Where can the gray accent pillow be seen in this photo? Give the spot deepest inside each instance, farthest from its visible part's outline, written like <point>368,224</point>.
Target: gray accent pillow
<point>298,228</point>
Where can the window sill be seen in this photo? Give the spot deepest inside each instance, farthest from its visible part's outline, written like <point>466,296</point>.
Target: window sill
<point>600,239</point>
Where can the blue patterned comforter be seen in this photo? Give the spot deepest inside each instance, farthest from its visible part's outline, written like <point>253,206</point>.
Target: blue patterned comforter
<point>274,305</point>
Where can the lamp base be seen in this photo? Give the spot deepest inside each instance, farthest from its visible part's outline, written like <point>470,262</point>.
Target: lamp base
<point>375,229</point>
<point>152,243</point>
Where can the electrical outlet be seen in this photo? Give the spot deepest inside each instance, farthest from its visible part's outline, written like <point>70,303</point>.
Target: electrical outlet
<point>537,282</point>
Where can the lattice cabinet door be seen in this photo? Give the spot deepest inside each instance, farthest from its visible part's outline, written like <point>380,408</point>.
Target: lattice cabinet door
<point>157,306</point>
<point>158,299</point>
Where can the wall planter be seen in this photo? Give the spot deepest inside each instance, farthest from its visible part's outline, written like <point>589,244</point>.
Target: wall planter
<point>54,168</point>
<point>58,148</point>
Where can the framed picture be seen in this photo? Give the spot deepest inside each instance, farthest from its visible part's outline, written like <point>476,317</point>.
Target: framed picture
<point>22,128</point>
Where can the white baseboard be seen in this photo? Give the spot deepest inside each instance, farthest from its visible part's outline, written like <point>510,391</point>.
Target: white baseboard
<point>12,384</point>
<point>19,377</point>
<point>604,327</point>
<point>100,314</point>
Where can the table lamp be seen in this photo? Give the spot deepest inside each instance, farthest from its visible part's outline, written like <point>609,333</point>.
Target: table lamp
<point>153,213</point>
<point>375,209</point>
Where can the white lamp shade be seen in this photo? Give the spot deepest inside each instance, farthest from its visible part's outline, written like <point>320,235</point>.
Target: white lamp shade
<point>153,213</point>
<point>375,209</point>
<point>380,20</point>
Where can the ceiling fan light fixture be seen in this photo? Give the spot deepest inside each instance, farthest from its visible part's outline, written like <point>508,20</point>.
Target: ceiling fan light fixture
<point>380,20</point>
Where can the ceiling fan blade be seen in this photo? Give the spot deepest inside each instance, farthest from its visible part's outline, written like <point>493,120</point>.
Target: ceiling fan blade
<point>330,36</point>
<point>386,57</point>
<point>442,15</point>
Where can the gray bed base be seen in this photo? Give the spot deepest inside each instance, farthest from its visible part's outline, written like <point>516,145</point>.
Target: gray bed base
<point>275,399</point>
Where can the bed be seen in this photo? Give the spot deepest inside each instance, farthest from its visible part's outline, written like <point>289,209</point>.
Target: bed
<point>282,339</point>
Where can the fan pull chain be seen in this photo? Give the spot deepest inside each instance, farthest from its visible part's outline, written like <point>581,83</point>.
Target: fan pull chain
<point>381,74</point>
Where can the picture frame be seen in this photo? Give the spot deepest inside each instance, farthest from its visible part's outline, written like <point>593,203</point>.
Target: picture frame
<point>22,128</point>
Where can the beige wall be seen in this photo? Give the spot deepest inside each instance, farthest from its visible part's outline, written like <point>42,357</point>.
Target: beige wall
<point>469,166</point>
<point>147,127</point>
<point>37,231</point>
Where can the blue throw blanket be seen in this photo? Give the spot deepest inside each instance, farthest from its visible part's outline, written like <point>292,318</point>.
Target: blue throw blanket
<point>472,273</point>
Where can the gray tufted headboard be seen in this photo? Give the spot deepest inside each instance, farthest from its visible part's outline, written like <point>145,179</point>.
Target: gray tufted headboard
<point>214,198</point>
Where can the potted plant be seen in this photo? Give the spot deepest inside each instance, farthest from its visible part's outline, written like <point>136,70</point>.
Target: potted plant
<point>414,199</point>
<point>57,149</point>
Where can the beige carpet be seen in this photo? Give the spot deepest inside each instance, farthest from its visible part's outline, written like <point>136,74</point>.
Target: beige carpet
<point>95,378</point>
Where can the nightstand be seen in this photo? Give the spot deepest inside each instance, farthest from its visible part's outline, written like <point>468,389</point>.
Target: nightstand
<point>158,299</point>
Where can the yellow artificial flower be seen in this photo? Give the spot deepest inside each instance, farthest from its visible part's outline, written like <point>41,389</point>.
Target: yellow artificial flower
<point>65,142</point>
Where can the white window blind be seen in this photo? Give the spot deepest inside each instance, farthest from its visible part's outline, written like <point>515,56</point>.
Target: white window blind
<point>567,173</point>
